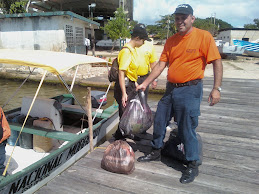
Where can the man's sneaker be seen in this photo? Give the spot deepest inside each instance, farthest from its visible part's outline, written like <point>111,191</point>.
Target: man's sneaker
<point>190,173</point>
<point>154,155</point>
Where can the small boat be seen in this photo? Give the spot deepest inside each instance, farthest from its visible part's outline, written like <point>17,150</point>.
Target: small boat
<point>58,126</point>
<point>251,48</point>
<point>225,49</point>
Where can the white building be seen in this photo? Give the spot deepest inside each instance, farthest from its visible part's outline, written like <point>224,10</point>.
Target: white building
<point>55,31</point>
<point>227,35</point>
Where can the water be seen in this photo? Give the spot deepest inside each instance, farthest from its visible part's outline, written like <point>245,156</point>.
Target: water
<point>8,87</point>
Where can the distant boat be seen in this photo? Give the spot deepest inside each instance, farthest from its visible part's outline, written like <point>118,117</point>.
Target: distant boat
<point>251,48</point>
<point>109,43</point>
<point>226,50</point>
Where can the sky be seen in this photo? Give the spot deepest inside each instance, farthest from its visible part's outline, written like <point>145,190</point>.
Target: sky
<point>235,12</point>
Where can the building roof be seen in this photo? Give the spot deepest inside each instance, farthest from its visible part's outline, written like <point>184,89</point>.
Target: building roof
<point>55,13</point>
<point>103,8</point>
<point>227,29</point>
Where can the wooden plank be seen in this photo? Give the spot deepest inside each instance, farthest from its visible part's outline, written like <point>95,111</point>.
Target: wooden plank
<point>158,169</point>
<point>227,164</point>
<point>140,180</point>
<point>230,139</point>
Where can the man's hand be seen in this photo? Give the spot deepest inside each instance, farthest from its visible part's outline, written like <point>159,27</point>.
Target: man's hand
<point>154,84</point>
<point>214,97</point>
<point>141,87</point>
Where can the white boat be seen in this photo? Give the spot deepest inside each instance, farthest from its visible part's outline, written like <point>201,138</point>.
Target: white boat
<point>251,48</point>
<point>109,43</point>
<point>67,119</point>
<point>226,49</point>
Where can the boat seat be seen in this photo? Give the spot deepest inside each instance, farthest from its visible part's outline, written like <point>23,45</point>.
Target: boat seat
<point>43,108</point>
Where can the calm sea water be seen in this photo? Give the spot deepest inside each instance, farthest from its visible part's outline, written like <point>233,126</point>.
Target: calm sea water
<point>8,87</point>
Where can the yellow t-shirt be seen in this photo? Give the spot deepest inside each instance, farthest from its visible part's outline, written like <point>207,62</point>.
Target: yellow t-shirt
<point>146,55</point>
<point>127,62</point>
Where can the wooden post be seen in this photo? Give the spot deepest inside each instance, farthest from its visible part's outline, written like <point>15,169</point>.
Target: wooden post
<point>93,40</point>
<point>89,114</point>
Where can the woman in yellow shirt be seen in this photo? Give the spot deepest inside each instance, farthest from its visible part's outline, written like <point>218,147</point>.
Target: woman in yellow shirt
<point>128,68</point>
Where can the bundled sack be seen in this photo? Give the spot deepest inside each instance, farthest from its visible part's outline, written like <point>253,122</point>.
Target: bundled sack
<point>174,148</point>
<point>119,157</point>
<point>137,116</point>
<point>5,130</point>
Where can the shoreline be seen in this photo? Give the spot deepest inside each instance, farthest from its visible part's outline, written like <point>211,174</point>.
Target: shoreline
<point>244,67</point>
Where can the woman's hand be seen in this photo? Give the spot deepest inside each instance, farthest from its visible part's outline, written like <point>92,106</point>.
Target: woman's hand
<point>124,99</point>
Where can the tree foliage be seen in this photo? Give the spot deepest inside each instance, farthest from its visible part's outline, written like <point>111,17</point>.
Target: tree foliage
<point>163,29</point>
<point>253,26</point>
<point>117,28</point>
<point>210,24</point>
<point>13,6</point>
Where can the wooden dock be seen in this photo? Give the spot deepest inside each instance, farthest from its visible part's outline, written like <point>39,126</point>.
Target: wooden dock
<point>230,135</point>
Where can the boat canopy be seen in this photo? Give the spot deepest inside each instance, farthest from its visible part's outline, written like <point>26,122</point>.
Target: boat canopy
<point>54,62</point>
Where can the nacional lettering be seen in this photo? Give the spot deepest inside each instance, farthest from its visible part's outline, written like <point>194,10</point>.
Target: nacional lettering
<point>78,146</point>
<point>34,177</point>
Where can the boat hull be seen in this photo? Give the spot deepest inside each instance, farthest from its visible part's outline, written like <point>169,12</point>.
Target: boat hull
<point>252,53</point>
<point>232,50</point>
<point>251,48</point>
<point>35,176</point>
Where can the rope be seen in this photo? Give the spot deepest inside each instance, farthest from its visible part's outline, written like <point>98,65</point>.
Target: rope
<point>14,94</point>
<point>68,89</point>
<point>105,95</point>
<point>35,96</point>
<point>100,148</point>
<point>74,78</point>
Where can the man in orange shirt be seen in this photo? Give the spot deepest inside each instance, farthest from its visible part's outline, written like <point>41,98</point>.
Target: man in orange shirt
<point>186,54</point>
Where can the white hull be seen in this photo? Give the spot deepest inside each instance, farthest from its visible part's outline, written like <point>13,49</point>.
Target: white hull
<point>252,53</point>
<point>231,50</point>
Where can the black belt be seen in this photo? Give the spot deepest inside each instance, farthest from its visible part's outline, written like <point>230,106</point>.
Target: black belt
<point>143,75</point>
<point>189,83</point>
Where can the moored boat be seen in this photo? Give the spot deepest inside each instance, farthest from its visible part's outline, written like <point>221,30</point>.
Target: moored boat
<point>251,48</point>
<point>68,128</point>
<point>226,49</point>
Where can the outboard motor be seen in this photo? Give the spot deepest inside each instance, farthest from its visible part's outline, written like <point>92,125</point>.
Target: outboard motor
<point>97,97</point>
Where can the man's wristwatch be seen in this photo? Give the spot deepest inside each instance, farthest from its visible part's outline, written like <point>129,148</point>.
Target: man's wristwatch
<point>218,88</point>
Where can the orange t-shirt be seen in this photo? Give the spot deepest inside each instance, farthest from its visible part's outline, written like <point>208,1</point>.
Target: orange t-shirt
<point>188,55</point>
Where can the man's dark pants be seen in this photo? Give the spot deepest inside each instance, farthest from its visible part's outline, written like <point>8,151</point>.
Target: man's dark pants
<point>184,104</point>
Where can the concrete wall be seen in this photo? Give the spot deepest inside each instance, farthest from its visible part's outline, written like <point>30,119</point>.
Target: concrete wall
<point>228,35</point>
<point>63,33</point>
<point>34,33</point>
